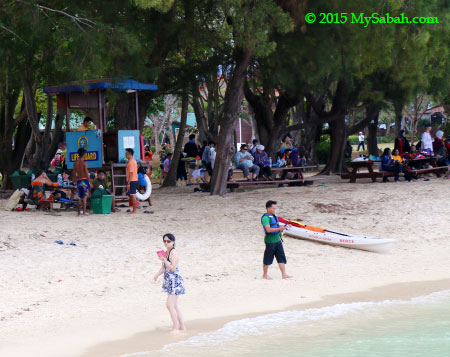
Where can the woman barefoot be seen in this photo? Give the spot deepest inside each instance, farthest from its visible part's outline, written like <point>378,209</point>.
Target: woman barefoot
<point>173,283</point>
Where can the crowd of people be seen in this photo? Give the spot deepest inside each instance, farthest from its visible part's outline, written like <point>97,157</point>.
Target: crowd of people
<point>197,161</point>
<point>400,160</point>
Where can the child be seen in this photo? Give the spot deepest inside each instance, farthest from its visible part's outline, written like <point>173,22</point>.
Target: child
<point>142,173</point>
<point>166,167</point>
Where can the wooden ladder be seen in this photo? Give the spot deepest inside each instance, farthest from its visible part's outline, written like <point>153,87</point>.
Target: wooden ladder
<point>118,178</point>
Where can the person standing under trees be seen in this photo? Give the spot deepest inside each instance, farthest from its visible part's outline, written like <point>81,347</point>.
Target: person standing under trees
<point>426,143</point>
<point>132,178</point>
<point>361,141</point>
<point>173,283</point>
<point>191,150</point>
<point>274,246</point>
<point>81,176</point>
<point>401,143</point>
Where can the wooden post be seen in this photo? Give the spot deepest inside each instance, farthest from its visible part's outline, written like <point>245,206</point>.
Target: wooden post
<point>100,119</point>
<point>67,113</point>
<point>136,109</point>
<point>99,107</point>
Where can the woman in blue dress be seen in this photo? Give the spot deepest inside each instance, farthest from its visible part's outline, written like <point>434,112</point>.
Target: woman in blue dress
<point>173,283</point>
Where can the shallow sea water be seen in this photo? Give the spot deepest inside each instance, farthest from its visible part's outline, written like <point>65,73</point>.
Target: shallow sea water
<point>418,327</point>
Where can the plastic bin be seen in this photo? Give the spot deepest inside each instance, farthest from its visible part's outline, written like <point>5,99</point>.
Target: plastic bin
<point>101,204</point>
<point>20,179</point>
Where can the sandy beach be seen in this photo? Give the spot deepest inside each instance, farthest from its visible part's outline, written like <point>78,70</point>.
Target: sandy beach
<point>97,298</point>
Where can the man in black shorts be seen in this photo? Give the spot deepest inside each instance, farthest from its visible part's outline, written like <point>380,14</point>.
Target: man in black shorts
<point>274,246</point>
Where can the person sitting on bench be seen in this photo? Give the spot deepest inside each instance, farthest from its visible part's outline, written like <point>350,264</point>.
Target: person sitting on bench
<point>262,160</point>
<point>390,165</point>
<point>244,161</point>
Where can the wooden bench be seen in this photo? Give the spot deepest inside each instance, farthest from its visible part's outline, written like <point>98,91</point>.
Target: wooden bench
<point>438,171</point>
<point>371,175</point>
<point>278,169</point>
<point>233,185</point>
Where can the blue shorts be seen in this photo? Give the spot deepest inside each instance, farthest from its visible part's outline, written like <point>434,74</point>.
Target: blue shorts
<point>133,187</point>
<point>83,187</point>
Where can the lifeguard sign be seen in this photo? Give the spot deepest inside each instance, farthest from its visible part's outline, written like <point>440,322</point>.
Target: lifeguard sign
<point>91,141</point>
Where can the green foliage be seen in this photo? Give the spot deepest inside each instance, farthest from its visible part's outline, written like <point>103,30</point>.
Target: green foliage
<point>147,132</point>
<point>156,172</point>
<point>160,5</point>
<point>323,149</point>
<point>388,139</point>
<point>353,139</point>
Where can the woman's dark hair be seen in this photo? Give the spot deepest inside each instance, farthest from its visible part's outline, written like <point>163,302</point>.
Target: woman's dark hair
<point>81,152</point>
<point>87,119</point>
<point>386,152</point>
<point>286,136</point>
<point>171,237</point>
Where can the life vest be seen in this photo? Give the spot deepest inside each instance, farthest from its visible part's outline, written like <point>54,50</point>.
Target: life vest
<point>274,222</point>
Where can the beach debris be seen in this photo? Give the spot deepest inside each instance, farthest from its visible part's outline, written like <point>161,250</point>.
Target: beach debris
<point>59,242</point>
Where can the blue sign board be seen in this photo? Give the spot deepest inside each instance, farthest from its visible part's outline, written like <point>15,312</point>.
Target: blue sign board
<point>91,141</point>
<point>129,139</point>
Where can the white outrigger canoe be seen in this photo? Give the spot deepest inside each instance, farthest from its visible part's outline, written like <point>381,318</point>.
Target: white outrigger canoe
<point>316,234</point>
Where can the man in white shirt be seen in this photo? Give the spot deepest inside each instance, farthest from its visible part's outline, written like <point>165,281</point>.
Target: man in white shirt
<point>426,143</point>
<point>361,141</point>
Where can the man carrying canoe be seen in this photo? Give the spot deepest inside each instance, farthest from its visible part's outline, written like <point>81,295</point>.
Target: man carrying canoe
<point>274,246</point>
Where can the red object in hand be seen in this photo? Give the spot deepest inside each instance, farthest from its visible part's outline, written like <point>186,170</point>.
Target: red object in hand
<point>161,253</point>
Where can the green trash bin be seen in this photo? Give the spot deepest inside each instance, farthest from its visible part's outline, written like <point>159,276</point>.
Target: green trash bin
<point>16,180</point>
<point>101,204</point>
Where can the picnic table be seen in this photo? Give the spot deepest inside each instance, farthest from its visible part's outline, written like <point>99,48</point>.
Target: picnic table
<point>355,174</point>
<point>414,166</point>
<point>419,163</point>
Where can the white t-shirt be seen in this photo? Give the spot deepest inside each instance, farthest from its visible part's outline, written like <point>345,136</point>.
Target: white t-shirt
<point>361,138</point>
<point>427,141</point>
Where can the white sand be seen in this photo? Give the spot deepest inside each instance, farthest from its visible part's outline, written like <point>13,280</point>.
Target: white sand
<point>59,300</point>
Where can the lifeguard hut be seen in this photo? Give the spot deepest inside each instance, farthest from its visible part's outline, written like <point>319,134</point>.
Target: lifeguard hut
<point>105,149</point>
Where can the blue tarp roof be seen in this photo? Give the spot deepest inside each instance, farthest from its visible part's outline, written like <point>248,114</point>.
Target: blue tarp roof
<point>118,84</point>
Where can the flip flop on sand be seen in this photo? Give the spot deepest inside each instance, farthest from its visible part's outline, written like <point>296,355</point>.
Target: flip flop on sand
<point>60,242</point>
<point>53,214</point>
<point>149,212</point>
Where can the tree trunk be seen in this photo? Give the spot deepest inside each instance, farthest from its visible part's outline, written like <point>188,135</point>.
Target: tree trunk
<point>398,107</point>
<point>41,147</point>
<point>232,105</point>
<point>124,112</point>
<point>372,143</point>
<point>338,135</point>
<point>171,178</point>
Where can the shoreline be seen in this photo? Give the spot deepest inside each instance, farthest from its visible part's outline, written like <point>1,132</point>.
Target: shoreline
<point>63,300</point>
<point>154,340</point>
